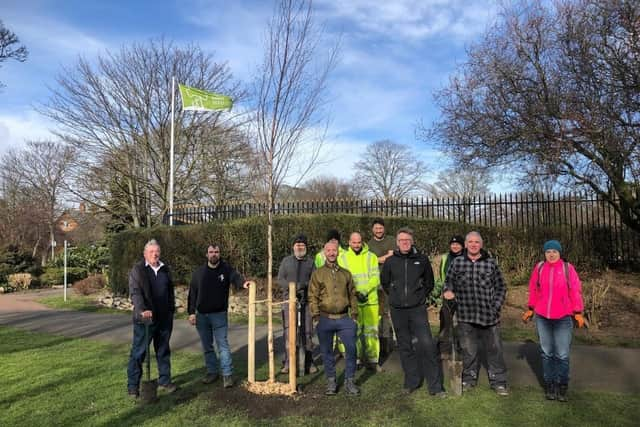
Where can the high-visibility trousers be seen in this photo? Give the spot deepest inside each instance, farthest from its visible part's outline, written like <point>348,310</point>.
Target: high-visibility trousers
<point>367,342</point>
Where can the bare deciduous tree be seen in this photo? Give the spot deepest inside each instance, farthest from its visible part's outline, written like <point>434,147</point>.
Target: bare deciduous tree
<point>290,92</point>
<point>10,48</point>
<point>119,113</point>
<point>39,172</point>
<point>389,170</point>
<point>329,187</point>
<point>461,185</point>
<point>554,86</point>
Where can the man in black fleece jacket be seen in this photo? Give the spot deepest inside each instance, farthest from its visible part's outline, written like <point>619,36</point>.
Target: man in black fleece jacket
<point>407,278</point>
<point>208,303</point>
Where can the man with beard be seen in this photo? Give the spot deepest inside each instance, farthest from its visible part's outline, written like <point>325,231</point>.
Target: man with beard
<point>207,308</point>
<point>334,307</point>
<point>382,245</point>
<point>297,268</point>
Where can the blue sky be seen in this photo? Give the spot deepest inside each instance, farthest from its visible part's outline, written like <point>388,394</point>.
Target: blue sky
<point>393,56</point>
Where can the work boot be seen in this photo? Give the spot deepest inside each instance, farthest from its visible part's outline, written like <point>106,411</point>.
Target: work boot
<point>332,387</point>
<point>210,378</point>
<point>550,391</point>
<point>169,388</point>
<point>227,381</point>
<point>562,392</point>
<point>374,367</point>
<point>350,387</point>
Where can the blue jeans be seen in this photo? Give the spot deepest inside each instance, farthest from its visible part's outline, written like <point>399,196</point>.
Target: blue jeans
<point>346,329</point>
<point>160,334</point>
<point>213,327</point>
<point>555,341</point>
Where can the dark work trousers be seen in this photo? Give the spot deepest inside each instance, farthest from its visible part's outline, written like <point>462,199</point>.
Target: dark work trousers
<point>346,330</point>
<point>160,334</point>
<point>308,327</point>
<point>471,336</point>
<point>422,359</point>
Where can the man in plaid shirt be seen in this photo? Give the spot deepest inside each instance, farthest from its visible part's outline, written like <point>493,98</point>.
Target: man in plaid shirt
<point>475,282</point>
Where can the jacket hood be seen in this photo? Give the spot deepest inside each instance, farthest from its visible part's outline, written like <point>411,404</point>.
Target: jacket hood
<point>483,254</point>
<point>412,252</point>
<point>365,249</point>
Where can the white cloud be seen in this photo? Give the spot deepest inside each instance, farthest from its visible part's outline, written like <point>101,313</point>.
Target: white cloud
<point>413,20</point>
<point>15,130</point>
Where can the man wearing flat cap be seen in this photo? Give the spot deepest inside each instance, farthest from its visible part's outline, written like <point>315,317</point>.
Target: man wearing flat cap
<point>297,268</point>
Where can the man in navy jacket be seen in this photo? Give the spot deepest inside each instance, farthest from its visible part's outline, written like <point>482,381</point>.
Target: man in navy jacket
<point>153,298</point>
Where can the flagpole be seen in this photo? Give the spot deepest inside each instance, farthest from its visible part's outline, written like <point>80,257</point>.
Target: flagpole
<point>173,101</point>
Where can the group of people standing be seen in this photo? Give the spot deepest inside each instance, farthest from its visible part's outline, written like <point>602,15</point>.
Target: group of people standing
<point>356,299</point>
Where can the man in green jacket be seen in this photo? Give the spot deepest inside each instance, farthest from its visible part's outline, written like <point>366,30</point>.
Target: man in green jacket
<point>363,266</point>
<point>334,309</point>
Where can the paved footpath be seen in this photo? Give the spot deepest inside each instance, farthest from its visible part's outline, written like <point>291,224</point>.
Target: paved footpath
<point>592,368</point>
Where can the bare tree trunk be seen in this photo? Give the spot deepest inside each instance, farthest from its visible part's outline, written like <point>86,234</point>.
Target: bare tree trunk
<point>132,204</point>
<point>272,368</point>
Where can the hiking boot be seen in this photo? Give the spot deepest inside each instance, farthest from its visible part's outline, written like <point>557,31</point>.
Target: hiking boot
<point>550,391</point>
<point>169,388</point>
<point>332,387</point>
<point>409,390</point>
<point>562,392</point>
<point>501,390</point>
<point>350,387</point>
<point>227,381</point>
<point>133,394</point>
<point>440,394</point>
<point>374,367</point>
<point>466,387</point>
<point>313,369</point>
<point>209,378</point>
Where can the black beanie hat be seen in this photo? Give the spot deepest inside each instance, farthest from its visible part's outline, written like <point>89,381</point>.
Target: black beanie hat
<point>300,238</point>
<point>457,239</point>
<point>333,234</point>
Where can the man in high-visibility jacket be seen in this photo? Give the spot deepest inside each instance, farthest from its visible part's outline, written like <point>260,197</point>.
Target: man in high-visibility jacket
<point>363,266</point>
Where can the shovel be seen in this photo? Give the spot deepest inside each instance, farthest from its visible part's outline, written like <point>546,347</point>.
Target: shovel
<point>148,388</point>
<point>454,364</point>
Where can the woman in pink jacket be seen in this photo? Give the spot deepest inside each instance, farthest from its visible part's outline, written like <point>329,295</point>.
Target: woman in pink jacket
<point>555,297</point>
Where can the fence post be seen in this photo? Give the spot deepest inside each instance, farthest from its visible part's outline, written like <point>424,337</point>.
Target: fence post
<point>251,344</point>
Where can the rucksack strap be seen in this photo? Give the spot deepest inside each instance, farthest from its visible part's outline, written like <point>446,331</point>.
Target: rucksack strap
<point>565,270</point>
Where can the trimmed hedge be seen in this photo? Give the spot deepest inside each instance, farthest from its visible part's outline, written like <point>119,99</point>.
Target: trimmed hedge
<point>243,243</point>
<point>55,276</point>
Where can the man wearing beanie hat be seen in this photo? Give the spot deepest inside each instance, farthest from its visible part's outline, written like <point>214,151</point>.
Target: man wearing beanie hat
<point>555,297</point>
<point>445,335</point>
<point>297,268</point>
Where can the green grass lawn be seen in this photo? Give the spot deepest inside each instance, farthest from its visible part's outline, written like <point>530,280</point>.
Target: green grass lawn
<point>51,380</point>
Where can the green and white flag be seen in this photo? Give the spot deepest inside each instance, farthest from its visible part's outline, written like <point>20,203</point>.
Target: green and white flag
<point>201,100</point>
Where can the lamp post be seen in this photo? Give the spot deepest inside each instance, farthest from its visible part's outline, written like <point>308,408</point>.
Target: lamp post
<point>65,263</point>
